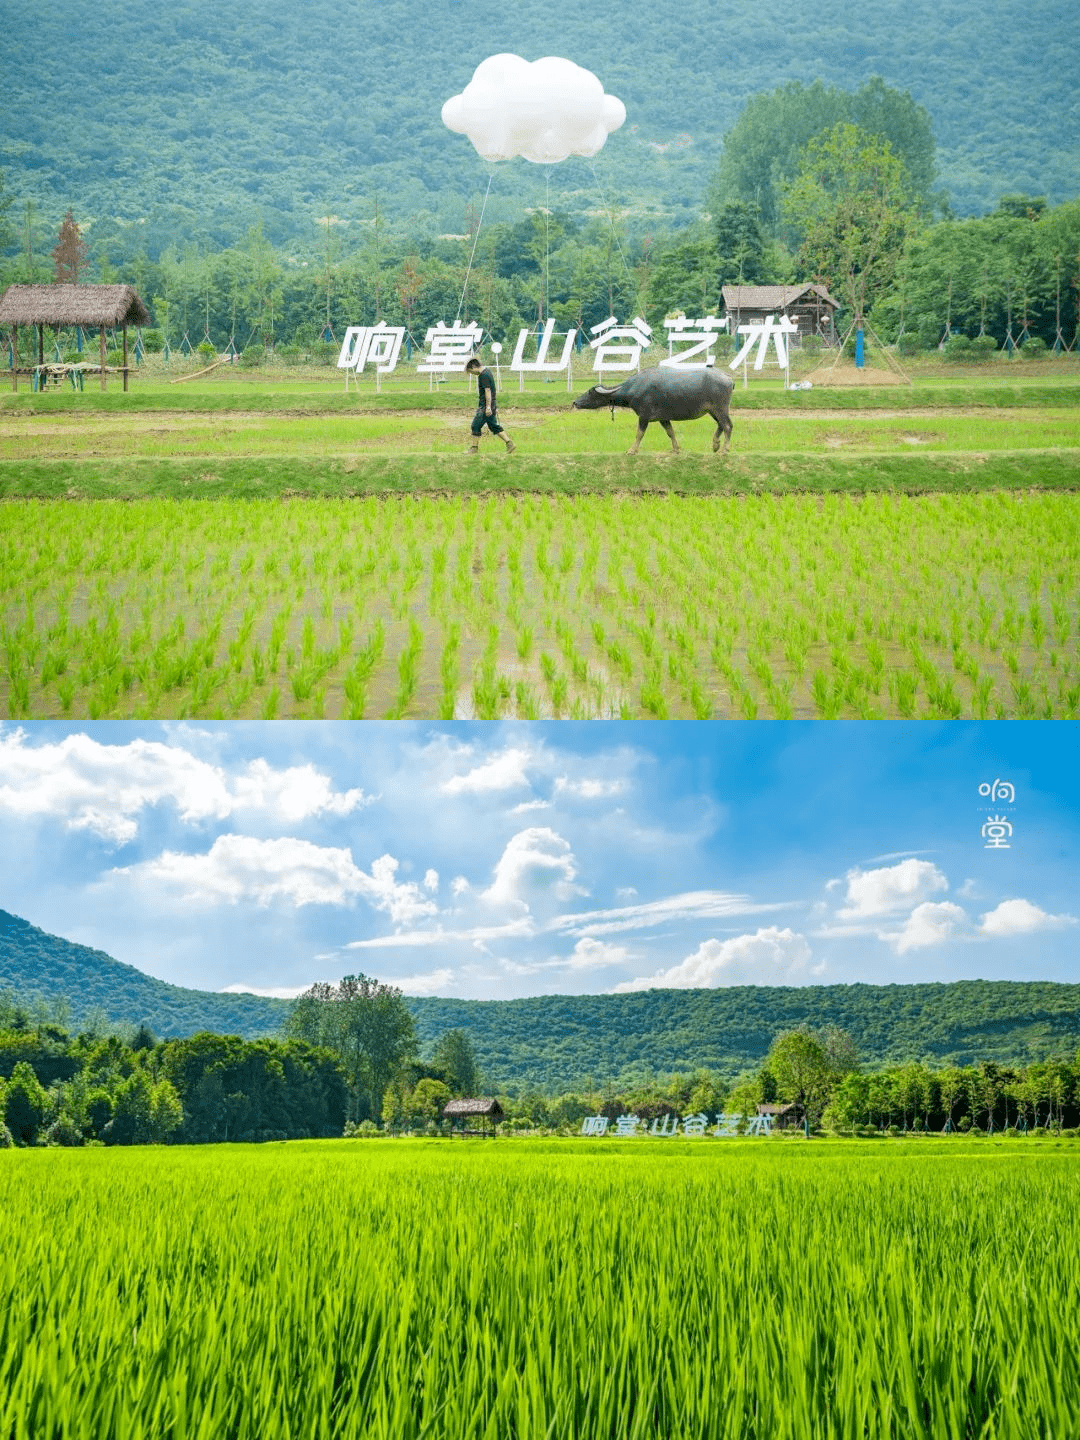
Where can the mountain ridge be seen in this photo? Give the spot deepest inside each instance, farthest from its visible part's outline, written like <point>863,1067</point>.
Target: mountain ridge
<point>556,1042</point>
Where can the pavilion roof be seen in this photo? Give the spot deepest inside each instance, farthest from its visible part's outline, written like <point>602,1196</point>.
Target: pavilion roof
<point>482,1105</point>
<point>90,305</point>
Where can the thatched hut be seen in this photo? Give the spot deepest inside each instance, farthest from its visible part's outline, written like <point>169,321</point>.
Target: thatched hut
<point>90,306</point>
<point>459,1112</point>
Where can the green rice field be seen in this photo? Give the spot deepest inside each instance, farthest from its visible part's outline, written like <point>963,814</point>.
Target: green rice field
<point>391,1290</point>
<point>800,606</point>
<point>232,550</point>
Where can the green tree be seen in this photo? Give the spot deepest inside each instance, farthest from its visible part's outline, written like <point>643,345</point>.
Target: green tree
<point>849,1104</point>
<point>166,1113</point>
<point>363,1021</point>
<point>429,1098</point>
<point>740,242</point>
<point>800,1063</point>
<point>7,229</point>
<point>852,207</point>
<point>455,1057</point>
<point>762,150</point>
<point>26,1105</point>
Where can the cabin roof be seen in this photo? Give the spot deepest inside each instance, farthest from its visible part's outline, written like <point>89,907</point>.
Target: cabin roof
<point>774,297</point>
<point>91,305</point>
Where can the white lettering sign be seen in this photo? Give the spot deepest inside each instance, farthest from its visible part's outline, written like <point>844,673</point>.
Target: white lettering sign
<point>449,346</point>
<point>665,1127</point>
<point>700,335</point>
<point>619,347</point>
<point>760,333</point>
<point>378,345</point>
<point>543,343</point>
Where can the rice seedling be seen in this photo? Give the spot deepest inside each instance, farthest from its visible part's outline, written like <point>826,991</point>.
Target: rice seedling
<point>829,606</point>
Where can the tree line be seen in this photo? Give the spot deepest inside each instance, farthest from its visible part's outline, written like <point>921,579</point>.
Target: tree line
<point>815,184</point>
<point>349,1064</point>
<point>347,1050</point>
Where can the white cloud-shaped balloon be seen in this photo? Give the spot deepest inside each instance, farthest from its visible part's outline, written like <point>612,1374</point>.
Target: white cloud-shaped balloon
<point>544,111</point>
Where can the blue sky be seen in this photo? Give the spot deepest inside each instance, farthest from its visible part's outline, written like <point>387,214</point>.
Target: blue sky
<point>492,861</point>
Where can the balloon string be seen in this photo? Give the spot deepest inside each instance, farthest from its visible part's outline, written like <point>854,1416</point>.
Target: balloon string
<point>472,257</point>
<point>611,222</point>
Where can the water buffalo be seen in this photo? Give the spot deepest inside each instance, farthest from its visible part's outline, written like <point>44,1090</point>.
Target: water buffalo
<point>667,393</point>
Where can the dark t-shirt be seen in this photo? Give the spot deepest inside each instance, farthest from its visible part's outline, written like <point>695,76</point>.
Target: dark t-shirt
<point>485,380</point>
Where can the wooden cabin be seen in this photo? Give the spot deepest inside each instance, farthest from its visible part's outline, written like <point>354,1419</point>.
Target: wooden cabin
<point>784,1117</point>
<point>484,1109</point>
<point>811,307</point>
<point>92,307</point>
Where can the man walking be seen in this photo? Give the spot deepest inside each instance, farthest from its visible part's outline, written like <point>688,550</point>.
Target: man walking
<point>485,412</point>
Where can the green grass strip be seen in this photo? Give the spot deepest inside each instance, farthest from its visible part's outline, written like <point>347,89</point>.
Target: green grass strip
<point>304,402</point>
<point>241,478</point>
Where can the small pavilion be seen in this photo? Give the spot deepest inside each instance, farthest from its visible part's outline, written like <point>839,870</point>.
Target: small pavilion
<point>460,1112</point>
<point>92,307</point>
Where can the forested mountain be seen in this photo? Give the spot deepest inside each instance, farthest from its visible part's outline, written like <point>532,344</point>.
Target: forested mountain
<point>36,965</point>
<point>193,121</point>
<point>556,1042</point>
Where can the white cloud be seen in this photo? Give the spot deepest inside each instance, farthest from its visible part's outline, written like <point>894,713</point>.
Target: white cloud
<point>694,905</point>
<point>103,788</point>
<point>626,892</point>
<point>239,867</point>
<point>272,992</point>
<point>588,789</point>
<point>431,880</point>
<point>894,887</point>
<point>589,954</point>
<point>527,805</point>
<point>434,982</point>
<point>544,111</point>
<point>768,957</point>
<point>474,935</point>
<point>295,793</point>
<point>403,903</point>
<point>534,859</point>
<point>930,923</point>
<point>505,771</point>
<point>1021,917</point>
<point>458,885</point>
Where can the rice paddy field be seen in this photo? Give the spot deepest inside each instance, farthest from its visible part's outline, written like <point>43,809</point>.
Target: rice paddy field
<point>750,1290</point>
<point>673,607</point>
<point>235,552</point>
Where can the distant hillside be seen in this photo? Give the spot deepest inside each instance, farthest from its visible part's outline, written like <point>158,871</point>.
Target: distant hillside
<point>557,1042</point>
<point>34,964</point>
<point>164,124</point>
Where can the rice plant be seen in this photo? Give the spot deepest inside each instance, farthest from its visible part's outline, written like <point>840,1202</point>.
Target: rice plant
<point>721,1290</point>
<point>796,607</point>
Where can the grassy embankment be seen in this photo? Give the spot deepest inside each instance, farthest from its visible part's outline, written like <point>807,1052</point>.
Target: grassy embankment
<point>239,436</point>
<point>722,1290</point>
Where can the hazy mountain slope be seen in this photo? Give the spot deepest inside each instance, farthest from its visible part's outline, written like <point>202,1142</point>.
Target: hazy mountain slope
<point>197,118</point>
<point>556,1042</point>
<point>33,964</point>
